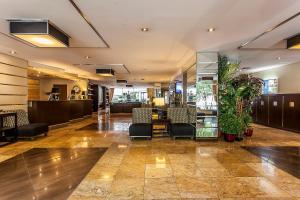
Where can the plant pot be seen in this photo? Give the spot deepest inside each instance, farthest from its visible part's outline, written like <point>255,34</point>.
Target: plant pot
<point>229,137</point>
<point>248,132</point>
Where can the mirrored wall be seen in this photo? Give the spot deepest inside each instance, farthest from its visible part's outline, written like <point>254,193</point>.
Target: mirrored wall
<point>207,95</point>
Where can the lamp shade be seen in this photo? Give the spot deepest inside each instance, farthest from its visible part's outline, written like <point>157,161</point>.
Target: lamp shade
<point>159,101</point>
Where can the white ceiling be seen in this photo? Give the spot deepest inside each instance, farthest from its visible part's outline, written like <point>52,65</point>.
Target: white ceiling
<point>178,28</point>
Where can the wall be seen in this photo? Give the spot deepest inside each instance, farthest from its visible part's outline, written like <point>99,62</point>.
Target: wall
<point>33,89</point>
<point>46,85</point>
<point>13,83</point>
<point>288,77</point>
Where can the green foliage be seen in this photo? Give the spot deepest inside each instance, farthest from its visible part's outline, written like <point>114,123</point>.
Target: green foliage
<point>231,123</point>
<point>235,96</point>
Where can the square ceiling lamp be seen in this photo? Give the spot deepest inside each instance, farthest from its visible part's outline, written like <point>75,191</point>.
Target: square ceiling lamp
<point>293,42</point>
<point>105,72</point>
<point>38,33</point>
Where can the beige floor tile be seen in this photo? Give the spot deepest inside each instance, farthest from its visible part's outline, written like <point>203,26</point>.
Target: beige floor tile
<point>158,171</point>
<point>241,170</point>
<point>196,187</point>
<point>161,188</point>
<point>129,188</point>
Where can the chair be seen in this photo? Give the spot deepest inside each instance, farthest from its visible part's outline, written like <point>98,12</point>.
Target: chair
<point>141,123</point>
<point>180,126</point>
<point>25,128</point>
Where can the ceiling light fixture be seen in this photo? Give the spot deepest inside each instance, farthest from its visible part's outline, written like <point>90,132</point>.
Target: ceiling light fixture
<point>13,52</point>
<point>121,81</point>
<point>211,29</point>
<point>40,33</point>
<point>278,58</point>
<point>293,42</point>
<point>144,29</point>
<point>87,57</point>
<point>105,72</point>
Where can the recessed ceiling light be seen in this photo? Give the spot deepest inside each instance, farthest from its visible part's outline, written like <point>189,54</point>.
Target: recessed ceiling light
<point>13,52</point>
<point>87,57</point>
<point>211,29</point>
<point>38,33</point>
<point>144,29</point>
<point>278,58</point>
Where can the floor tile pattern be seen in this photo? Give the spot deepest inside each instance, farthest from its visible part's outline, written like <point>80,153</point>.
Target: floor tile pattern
<point>42,173</point>
<point>286,158</point>
<point>163,168</point>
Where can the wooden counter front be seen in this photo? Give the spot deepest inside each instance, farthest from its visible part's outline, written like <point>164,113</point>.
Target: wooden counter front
<point>58,112</point>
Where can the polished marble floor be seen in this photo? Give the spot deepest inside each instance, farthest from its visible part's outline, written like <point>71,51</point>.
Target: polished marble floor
<point>166,169</point>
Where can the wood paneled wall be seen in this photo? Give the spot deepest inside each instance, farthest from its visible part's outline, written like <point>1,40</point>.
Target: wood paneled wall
<point>33,89</point>
<point>13,83</point>
<point>278,111</point>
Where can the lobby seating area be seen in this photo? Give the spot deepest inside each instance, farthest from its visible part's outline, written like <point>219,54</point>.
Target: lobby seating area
<point>182,122</point>
<point>25,129</point>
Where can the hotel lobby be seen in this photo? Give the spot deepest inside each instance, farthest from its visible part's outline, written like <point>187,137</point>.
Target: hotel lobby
<point>148,100</point>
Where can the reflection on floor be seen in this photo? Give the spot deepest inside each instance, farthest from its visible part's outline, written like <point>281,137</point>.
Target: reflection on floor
<point>285,158</point>
<point>42,173</point>
<point>166,169</point>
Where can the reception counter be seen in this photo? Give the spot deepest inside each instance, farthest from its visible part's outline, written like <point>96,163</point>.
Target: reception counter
<point>124,107</point>
<point>58,112</point>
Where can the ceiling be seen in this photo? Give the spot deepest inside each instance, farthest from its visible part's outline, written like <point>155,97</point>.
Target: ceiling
<point>177,30</point>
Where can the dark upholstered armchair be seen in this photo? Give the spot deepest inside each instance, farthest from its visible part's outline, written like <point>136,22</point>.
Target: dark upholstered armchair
<point>180,123</point>
<point>25,128</point>
<point>141,123</point>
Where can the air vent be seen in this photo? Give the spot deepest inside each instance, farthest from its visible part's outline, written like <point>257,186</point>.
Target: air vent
<point>105,72</point>
<point>122,81</point>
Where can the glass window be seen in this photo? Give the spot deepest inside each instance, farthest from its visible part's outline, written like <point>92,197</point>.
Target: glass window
<point>124,95</point>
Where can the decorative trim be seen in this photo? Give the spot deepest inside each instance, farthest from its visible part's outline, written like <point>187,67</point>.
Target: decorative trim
<point>268,31</point>
<point>13,85</point>
<point>13,75</point>
<point>13,65</point>
<point>13,104</point>
<point>13,95</point>
<point>88,22</point>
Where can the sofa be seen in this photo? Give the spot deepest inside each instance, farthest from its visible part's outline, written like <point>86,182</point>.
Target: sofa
<point>183,122</point>
<point>141,126</point>
<point>26,129</point>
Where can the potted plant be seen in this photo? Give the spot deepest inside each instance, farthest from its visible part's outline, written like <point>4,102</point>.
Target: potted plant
<point>231,125</point>
<point>248,88</point>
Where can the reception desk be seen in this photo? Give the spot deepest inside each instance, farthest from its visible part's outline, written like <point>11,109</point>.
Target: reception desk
<point>58,112</point>
<point>124,107</point>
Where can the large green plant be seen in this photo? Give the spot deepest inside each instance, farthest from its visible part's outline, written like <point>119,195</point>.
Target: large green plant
<point>236,92</point>
<point>248,88</point>
<point>230,120</point>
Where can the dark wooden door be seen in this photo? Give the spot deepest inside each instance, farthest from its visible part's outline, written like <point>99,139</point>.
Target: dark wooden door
<point>254,110</point>
<point>291,114</point>
<point>262,110</point>
<point>63,91</point>
<point>95,97</point>
<point>275,110</point>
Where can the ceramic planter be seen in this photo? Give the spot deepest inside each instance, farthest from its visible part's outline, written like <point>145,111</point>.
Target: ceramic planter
<point>249,132</point>
<point>229,137</point>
